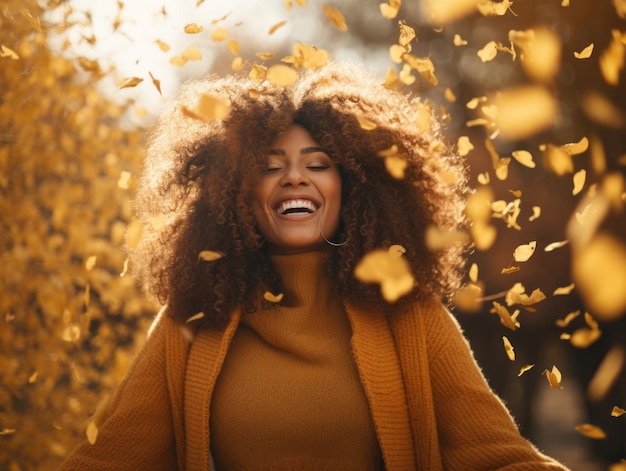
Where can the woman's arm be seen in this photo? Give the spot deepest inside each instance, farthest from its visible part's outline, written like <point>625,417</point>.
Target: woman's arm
<point>138,431</point>
<point>476,431</point>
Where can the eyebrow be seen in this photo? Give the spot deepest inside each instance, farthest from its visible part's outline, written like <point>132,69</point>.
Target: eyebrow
<point>303,151</point>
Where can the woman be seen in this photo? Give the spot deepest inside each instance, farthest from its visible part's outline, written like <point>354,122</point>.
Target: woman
<point>270,352</point>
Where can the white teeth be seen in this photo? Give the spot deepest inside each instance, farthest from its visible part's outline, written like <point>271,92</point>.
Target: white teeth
<point>299,205</point>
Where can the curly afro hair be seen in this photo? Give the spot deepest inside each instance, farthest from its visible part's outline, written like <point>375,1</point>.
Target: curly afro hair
<point>198,184</point>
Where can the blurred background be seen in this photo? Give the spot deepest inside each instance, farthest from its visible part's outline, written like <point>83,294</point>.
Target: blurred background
<point>533,93</point>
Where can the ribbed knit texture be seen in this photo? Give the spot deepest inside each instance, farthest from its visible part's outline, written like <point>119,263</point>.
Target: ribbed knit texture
<point>289,395</point>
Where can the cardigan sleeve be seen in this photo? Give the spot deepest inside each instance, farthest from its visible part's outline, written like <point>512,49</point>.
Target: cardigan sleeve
<point>138,431</point>
<point>476,431</point>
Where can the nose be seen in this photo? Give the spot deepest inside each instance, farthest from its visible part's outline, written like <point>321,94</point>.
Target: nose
<point>294,177</point>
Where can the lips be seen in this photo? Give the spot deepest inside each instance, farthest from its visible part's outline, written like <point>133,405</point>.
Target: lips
<point>296,206</point>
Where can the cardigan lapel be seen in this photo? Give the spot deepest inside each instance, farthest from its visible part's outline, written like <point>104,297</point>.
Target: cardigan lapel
<point>410,338</point>
<point>204,363</point>
<point>379,367</point>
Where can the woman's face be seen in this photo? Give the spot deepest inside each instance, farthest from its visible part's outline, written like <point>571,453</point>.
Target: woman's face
<point>298,198</point>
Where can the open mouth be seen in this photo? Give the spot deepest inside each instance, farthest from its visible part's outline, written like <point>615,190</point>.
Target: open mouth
<point>297,206</point>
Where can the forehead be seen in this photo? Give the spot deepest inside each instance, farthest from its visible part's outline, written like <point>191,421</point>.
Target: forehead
<point>295,137</point>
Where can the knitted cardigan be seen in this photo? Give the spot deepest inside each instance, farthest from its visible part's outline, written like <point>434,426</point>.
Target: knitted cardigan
<point>430,404</point>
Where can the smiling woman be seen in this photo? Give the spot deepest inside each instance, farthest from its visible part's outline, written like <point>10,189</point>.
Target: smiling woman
<point>272,352</point>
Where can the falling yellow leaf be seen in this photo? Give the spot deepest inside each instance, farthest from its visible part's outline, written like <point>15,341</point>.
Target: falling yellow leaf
<point>163,45</point>
<point>209,255</point>
<point>524,369</point>
<point>193,28</point>
<point>585,53</point>
<point>612,59</point>
<point>336,17</point>
<point>195,317</point>
<point>473,272</point>
<point>506,319</point>
<point>192,53</point>
<point>7,52</point>
<point>437,239</point>
<point>591,431</point>
<point>490,8</point>
<point>620,8</point>
<point>523,111</point>
<point>234,47</point>
<point>554,377</point>
<point>219,34</point>
<point>579,181</point>
<point>599,271</point>
<point>258,73</point>
<point>365,123</point>
<point>464,145</point>
<point>536,213</point>
<point>606,374</point>
<point>523,252</point>
<point>488,52</point>
<point>390,10</point>
<point>556,245</point>
<point>273,298</point>
<point>617,411</point>
<point>130,82</point>
<point>407,34</point>
<point>584,337</point>
<point>92,432</point>
<point>524,157</point>
<point>567,319</point>
<point>275,27</point>
<point>564,290</point>
<point>90,262</point>
<point>282,75</point>
<point>441,12</point>
<point>209,107</point>
<point>237,64</point>
<point>389,270</point>
<point>156,83</point>
<point>459,41</point>
<point>540,52</point>
<point>508,348</point>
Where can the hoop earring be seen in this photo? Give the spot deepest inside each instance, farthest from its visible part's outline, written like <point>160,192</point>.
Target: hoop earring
<point>334,244</point>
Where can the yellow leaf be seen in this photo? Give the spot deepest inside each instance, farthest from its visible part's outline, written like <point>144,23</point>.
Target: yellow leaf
<point>508,348</point>
<point>617,412</point>
<point>523,252</point>
<point>390,10</point>
<point>585,53</point>
<point>193,28</point>
<point>524,157</point>
<point>536,213</point>
<point>464,145</point>
<point>437,239</point>
<point>265,56</point>
<point>163,45</point>
<point>282,75</point>
<point>258,73</point>
<point>620,8</point>
<point>599,271</point>
<point>459,41</point>
<point>584,337</point>
<point>130,82</point>
<point>234,47</point>
<point>192,53</point>
<point>92,432</point>
<point>90,262</point>
<point>195,317</point>
<point>407,34</point>
<point>209,255</point>
<point>6,52</point>
<point>219,34</point>
<point>396,166</point>
<point>156,83</point>
<point>612,59</point>
<point>579,181</point>
<point>591,431</point>
<point>276,27</point>
<point>273,298</point>
<point>554,377</point>
<point>336,17</point>
<point>506,319</point>
<point>389,270</point>
<point>524,369</point>
<point>441,12</point>
<point>237,64</point>
<point>564,290</point>
<point>540,52</point>
<point>556,245</point>
<point>489,8</point>
<point>365,123</point>
<point>209,107</point>
<point>488,52</point>
<point>606,374</point>
<point>567,319</point>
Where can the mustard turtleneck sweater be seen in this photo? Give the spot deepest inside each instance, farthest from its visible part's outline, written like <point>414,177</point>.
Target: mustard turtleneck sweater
<point>288,395</point>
